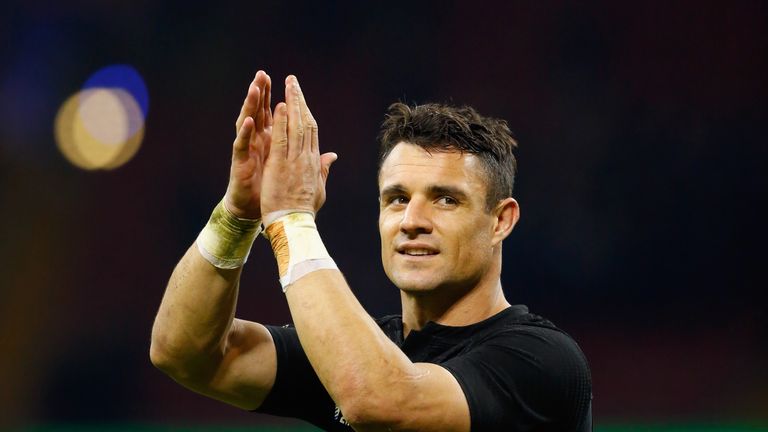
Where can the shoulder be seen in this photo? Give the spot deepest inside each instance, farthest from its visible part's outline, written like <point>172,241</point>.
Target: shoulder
<point>531,330</point>
<point>527,369</point>
<point>533,339</point>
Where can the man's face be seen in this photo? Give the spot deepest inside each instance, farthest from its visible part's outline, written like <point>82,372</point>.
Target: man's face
<point>435,230</point>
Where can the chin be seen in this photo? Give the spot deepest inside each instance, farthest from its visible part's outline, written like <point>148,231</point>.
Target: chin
<point>410,284</point>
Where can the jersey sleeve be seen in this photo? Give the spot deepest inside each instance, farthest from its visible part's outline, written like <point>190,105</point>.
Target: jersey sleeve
<point>297,391</point>
<point>525,379</point>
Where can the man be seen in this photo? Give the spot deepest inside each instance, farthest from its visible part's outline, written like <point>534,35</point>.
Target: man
<point>459,358</point>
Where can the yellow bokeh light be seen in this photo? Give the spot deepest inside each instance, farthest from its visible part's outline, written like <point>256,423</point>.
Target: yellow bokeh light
<point>99,128</point>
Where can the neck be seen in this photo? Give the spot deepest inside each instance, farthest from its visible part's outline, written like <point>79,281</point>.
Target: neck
<point>459,309</point>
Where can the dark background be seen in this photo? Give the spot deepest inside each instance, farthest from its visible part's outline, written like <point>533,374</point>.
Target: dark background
<point>641,181</point>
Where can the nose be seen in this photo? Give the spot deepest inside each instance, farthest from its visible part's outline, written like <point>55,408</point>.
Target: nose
<point>416,218</point>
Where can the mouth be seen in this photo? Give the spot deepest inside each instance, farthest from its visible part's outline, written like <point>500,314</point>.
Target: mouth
<point>416,251</point>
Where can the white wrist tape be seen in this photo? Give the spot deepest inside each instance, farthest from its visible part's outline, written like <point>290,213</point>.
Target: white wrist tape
<point>297,245</point>
<point>226,239</point>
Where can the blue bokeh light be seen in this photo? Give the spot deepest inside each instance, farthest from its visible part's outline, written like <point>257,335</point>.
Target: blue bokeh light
<point>121,76</point>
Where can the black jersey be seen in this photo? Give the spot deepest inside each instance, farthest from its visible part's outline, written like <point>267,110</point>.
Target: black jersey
<point>517,370</point>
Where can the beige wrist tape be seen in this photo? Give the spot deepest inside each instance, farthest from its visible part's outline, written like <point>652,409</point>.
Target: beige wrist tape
<point>226,239</point>
<point>298,248</point>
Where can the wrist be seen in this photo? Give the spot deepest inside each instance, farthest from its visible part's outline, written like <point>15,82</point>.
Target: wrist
<point>226,239</point>
<point>246,213</point>
<point>297,245</point>
<point>271,217</point>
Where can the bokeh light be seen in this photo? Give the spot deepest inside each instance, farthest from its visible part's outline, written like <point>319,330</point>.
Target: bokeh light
<point>124,77</point>
<point>102,125</point>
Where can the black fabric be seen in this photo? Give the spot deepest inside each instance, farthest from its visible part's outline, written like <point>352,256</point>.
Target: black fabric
<point>517,370</point>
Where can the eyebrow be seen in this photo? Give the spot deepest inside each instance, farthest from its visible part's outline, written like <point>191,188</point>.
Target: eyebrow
<point>395,189</point>
<point>437,190</point>
<point>433,190</point>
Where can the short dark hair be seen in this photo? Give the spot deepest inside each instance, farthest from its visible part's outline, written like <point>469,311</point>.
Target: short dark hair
<point>439,127</point>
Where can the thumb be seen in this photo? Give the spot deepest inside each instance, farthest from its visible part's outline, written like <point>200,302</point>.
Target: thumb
<point>326,160</point>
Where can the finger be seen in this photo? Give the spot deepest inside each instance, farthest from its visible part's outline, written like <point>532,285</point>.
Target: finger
<point>310,125</point>
<point>240,146</point>
<point>249,104</point>
<point>255,144</point>
<point>326,160</point>
<point>279,144</point>
<point>295,127</point>
<point>267,102</point>
<point>261,83</point>
<point>261,146</point>
<point>314,139</point>
<point>310,135</point>
<point>302,102</point>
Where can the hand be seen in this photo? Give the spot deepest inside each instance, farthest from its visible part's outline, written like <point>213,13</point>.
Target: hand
<point>295,172</point>
<point>250,150</point>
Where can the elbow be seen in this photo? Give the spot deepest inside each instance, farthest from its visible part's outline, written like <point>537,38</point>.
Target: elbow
<point>181,357</point>
<point>160,357</point>
<point>179,369</point>
<point>358,416</point>
<point>164,358</point>
<point>159,353</point>
<point>185,364</point>
<point>167,351</point>
<point>364,409</point>
<point>364,415</point>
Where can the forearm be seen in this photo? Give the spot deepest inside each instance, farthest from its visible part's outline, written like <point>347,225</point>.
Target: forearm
<point>356,362</point>
<point>196,312</point>
<point>349,352</point>
<point>364,372</point>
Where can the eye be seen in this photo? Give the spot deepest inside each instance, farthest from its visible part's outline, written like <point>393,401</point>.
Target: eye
<point>447,201</point>
<point>396,200</point>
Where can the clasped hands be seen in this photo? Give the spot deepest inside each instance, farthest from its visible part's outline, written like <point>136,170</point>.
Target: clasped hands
<point>276,160</point>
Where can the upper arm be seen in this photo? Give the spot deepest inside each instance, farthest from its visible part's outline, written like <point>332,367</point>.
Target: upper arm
<point>244,372</point>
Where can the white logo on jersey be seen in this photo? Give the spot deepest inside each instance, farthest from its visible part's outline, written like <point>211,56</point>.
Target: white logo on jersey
<point>340,417</point>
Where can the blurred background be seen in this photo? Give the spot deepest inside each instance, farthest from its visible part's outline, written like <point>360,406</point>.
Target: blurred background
<point>642,131</point>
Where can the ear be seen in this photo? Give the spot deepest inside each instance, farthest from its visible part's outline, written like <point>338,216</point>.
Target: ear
<point>506,215</point>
